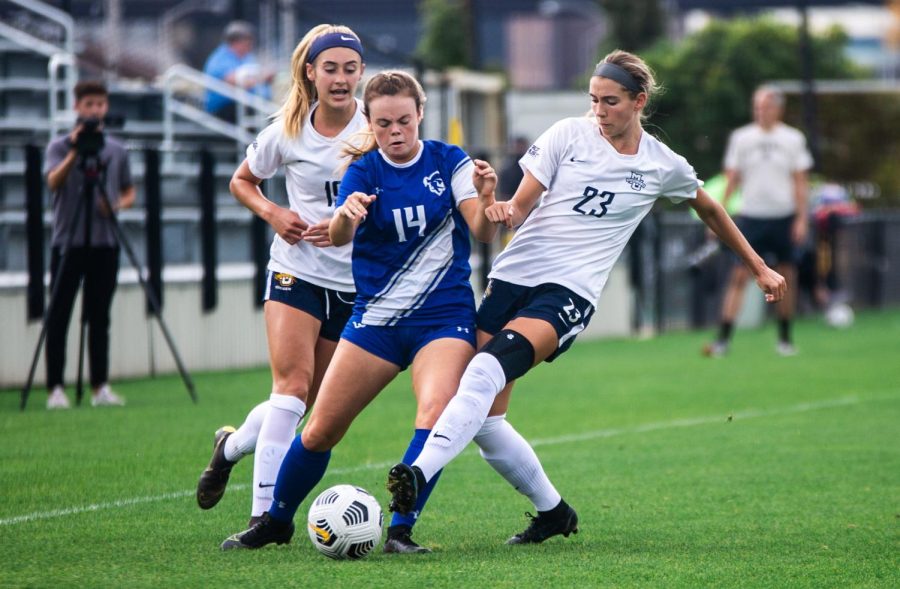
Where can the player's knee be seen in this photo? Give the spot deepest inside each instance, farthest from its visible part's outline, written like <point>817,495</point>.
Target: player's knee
<point>513,352</point>
<point>427,414</point>
<point>319,439</point>
<point>323,431</point>
<point>295,385</point>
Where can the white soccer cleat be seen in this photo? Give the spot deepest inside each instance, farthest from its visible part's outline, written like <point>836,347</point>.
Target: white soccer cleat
<point>786,349</point>
<point>105,397</point>
<point>58,399</point>
<point>716,349</point>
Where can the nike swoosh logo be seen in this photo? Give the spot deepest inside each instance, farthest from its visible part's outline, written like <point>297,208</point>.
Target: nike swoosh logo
<point>441,436</point>
<point>572,159</point>
<point>322,533</point>
<point>262,486</point>
<point>343,38</point>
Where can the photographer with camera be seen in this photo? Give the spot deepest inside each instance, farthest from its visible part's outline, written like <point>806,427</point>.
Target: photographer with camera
<point>90,181</point>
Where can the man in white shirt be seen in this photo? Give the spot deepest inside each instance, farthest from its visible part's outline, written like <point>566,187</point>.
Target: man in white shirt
<point>769,161</point>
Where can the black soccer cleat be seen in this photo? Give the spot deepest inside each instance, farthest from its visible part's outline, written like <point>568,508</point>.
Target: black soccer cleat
<point>399,541</point>
<point>213,480</point>
<point>562,519</point>
<point>266,531</point>
<point>403,484</point>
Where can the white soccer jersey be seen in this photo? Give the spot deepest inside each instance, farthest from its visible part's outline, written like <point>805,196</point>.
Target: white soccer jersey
<point>595,199</point>
<point>312,167</point>
<point>766,161</point>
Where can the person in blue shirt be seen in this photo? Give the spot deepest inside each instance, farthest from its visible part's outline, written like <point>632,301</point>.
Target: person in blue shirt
<point>234,62</point>
<point>408,207</point>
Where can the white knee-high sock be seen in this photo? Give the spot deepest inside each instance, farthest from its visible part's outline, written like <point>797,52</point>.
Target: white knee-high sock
<point>461,420</point>
<point>514,459</point>
<point>243,440</point>
<point>275,436</point>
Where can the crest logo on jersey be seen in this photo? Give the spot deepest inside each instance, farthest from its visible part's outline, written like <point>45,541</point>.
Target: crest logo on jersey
<point>534,151</point>
<point>636,181</point>
<point>434,182</point>
<point>285,281</point>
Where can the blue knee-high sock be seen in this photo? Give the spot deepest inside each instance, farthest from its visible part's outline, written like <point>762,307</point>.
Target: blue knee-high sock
<point>412,452</point>
<point>300,472</point>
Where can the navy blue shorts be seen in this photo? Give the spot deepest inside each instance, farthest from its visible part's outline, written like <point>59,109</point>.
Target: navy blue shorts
<point>332,307</point>
<point>771,238</point>
<point>567,312</point>
<point>399,344</point>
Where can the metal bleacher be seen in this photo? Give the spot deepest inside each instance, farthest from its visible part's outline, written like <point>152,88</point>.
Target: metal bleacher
<point>164,116</point>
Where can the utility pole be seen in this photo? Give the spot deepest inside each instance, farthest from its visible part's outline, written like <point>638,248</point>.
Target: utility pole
<point>807,74</point>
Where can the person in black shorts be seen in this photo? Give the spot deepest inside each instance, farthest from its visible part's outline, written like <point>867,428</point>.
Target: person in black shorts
<point>309,291</point>
<point>596,178</point>
<point>769,161</point>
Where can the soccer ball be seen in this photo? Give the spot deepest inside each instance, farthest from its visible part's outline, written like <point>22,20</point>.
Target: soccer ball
<point>345,522</point>
<point>839,316</point>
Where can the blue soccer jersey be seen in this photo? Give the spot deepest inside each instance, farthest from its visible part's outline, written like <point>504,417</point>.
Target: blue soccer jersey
<point>411,253</point>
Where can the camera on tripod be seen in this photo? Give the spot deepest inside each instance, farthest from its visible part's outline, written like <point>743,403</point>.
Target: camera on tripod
<point>90,139</point>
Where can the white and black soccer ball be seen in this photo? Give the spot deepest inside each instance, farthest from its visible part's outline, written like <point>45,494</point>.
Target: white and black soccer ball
<point>839,316</point>
<point>345,522</point>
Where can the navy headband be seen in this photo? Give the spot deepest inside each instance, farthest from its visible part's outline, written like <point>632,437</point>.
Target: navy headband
<point>618,74</point>
<point>329,40</point>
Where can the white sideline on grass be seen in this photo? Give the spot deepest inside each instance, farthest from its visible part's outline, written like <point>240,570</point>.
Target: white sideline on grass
<point>591,435</point>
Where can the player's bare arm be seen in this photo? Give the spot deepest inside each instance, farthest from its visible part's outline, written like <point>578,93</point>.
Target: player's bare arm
<point>513,212</point>
<point>484,178</point>
<point>245,188</point>
<point>713,214</point>
<point>317,235</point>
<point>348,216</point>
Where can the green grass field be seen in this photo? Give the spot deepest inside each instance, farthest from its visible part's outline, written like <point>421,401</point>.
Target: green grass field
<point>750,471</point>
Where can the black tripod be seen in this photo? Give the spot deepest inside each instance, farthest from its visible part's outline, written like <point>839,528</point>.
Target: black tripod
<point>92,168</point>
